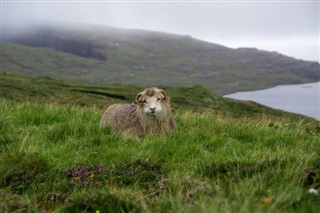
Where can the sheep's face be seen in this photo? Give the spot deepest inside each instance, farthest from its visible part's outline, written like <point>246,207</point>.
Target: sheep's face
<point>152,105</point>
<point>151,101</point>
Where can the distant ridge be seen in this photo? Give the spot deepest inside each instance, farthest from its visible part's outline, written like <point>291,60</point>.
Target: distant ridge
<point>100,54</point>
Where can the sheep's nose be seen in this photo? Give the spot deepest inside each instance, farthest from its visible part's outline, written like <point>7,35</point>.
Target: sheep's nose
<point>153,110</point>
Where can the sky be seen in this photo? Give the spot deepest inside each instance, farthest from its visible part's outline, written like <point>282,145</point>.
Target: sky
<point>288,27</point>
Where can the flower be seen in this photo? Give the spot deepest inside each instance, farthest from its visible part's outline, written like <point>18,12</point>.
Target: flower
<point>162,186</point>
<point>77,180</point>
<point>91,177</point>
<point>190,193</point>
<point>313,191</point>
<point>266,201</point>
<point>85,199</point>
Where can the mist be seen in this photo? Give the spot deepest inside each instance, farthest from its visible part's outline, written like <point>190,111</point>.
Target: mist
<point>290,28</point>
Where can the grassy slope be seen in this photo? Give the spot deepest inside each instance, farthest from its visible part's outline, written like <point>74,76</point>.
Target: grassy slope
<point>54,157</point>
<point>142,57</point>
<point>49,90</point>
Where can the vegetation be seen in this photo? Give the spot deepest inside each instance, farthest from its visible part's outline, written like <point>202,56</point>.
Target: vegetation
<point>227,156</point>
<point>99,54</point>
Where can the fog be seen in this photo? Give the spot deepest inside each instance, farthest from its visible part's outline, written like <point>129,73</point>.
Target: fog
<point>291,28</point>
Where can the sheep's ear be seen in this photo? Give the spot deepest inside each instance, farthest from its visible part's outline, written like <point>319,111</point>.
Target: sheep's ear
<point>138,99</point>
<point>166,97</point>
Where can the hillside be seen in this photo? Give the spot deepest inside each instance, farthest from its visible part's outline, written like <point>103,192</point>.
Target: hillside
<point>227,156</point>
<point>99,54</point>
<point>48,90</point>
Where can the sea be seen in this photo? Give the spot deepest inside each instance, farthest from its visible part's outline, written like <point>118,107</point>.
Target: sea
<point>298,98</point>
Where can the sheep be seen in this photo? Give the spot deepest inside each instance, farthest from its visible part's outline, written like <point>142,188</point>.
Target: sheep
<point>149,114</point>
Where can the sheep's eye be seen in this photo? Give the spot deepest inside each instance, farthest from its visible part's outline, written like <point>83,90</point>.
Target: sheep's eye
<point>145,101</point>
<point>158,99</point>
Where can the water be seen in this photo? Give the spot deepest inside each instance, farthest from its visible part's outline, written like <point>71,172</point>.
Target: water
<point>300,98</point>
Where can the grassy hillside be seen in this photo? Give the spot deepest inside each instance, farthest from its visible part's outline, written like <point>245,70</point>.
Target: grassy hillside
<point>55,158</point>
<point>101,54</point>
<point>49,90</point>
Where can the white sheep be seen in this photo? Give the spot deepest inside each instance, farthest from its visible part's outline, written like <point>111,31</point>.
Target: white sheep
<point>150,113</point>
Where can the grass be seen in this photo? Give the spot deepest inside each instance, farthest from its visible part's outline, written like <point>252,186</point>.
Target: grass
<point>50,90</point>
<point>55,158</point>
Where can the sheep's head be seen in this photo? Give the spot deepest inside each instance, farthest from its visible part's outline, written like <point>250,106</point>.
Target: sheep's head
<point>153,101</point>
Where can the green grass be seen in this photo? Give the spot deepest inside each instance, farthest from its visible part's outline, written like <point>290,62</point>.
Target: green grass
<point>54,156</point>
<point>49,90</point>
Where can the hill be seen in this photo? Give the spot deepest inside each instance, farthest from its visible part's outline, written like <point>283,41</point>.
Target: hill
<point>227,156</point>
<point>100,54</point>
<point>49,90</point>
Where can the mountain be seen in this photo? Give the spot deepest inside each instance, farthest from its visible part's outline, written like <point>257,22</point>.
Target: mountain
<point>100,54</point>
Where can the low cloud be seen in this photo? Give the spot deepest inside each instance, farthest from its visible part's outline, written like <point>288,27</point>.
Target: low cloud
<point>285,27</point>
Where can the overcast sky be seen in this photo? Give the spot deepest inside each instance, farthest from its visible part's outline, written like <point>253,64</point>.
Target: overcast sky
<point>291,28</point>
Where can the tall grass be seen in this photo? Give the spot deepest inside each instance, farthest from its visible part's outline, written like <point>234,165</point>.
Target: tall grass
<point>56,158</point>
